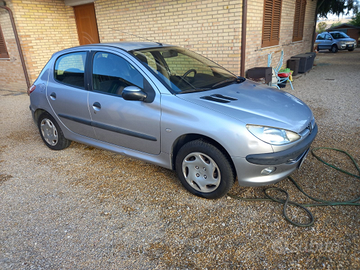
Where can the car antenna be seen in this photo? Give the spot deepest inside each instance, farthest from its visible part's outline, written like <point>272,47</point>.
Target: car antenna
<point>137,36</point>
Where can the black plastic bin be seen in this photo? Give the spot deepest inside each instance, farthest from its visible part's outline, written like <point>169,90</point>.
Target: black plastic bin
<point>257,73</point>
<point>293,64</point>
<point>306,61</point>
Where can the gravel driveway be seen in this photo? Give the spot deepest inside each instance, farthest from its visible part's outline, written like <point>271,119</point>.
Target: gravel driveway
<point>85,208</point>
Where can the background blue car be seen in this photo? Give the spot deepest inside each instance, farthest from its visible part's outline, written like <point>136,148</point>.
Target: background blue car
<point>335,41</point>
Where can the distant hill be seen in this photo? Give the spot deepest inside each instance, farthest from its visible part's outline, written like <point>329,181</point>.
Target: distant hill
<point>329,22</point>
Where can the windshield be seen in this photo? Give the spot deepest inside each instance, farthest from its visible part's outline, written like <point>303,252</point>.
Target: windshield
<point>183,71</point>
<point>339,35</point>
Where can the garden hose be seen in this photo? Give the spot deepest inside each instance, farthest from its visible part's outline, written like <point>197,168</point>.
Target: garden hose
<point>304,206</point>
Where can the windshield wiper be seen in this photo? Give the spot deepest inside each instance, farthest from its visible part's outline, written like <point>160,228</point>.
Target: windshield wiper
<point>229,81</point>
<point>194,90</point>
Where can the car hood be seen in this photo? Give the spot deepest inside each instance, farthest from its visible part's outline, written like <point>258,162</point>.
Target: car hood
<point>345,39</point>
<point>253,103</point>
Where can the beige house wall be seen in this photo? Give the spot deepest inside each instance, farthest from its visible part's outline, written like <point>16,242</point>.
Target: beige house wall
<point>11,72</point>
<point>44,27</point>
<point>210,27</point>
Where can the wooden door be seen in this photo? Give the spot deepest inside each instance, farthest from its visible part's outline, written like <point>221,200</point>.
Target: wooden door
<point>86,24</point>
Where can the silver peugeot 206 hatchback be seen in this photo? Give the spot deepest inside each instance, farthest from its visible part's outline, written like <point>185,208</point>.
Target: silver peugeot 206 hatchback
<point>174,108</point>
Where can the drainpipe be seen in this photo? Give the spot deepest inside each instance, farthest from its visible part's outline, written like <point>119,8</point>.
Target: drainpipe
<point>315,20</point>
<point>243,38</point>
<point>18,45</point>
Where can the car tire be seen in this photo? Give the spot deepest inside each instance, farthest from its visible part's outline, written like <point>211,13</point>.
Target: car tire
<point>193,163</point>
<point>334,49</point>
<point>51,133</point>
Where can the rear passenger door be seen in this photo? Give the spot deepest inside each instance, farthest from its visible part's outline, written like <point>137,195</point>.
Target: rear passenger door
<point>67,94</point>
<point>320,41</point>
<point>127,123</point>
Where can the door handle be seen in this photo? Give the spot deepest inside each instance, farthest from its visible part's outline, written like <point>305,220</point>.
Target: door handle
<point>53,95</point>
<point>97,106</point>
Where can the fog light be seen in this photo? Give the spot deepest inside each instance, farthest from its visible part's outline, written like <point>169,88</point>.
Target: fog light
<point>268,170</point>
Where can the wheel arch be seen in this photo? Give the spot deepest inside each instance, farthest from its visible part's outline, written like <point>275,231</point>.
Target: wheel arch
<point>192,137</point>
<point>37,114</point>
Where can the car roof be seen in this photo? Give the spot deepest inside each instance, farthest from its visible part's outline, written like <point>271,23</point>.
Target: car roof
<point>331,32</point>
<point>128,45</point>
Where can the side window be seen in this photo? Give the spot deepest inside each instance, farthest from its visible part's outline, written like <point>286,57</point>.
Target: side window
<point>69,69</point>
<point>112,74</point>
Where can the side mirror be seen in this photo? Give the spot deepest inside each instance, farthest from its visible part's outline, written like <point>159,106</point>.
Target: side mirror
<point>133,93</point>
<point>329,38</point>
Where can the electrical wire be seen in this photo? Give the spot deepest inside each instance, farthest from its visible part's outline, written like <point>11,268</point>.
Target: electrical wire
<point>287,202</point>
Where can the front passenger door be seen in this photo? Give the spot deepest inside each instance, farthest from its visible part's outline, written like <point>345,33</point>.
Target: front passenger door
<point>130,124</point>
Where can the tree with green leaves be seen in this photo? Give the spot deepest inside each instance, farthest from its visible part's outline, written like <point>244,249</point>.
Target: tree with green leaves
<point>337,7</point>
<point>321,27</point>
<point>355,20</point>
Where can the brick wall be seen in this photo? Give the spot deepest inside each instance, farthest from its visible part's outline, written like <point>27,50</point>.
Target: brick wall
<point>44,26</point>
<point>12,76</point>
<point>210,27</point>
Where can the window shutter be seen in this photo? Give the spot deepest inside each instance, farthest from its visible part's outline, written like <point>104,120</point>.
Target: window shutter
<point>299,20</point>
<point>271,23</point>
<point>3,50</point>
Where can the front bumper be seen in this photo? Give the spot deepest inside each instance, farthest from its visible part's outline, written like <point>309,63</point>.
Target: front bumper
<point>347,46</point>
<point>249,169</point>
<point>286,156</point>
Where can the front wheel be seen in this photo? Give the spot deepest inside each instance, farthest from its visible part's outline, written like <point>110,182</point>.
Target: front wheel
<point>204,170</point>
<point>51,133</point>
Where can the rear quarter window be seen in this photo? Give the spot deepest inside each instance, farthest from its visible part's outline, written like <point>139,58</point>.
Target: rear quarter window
<point>70,69</point>
<point>320,37</point>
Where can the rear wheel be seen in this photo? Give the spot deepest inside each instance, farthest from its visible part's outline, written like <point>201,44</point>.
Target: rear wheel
<point>334,49</point>
<point>204,170</point>
<point>51,133</point>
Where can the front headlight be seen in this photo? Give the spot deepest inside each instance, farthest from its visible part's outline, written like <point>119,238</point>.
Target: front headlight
<point>272,135</point>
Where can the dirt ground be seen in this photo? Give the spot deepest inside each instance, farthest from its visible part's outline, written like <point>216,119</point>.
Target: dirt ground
<point>85,208</point>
